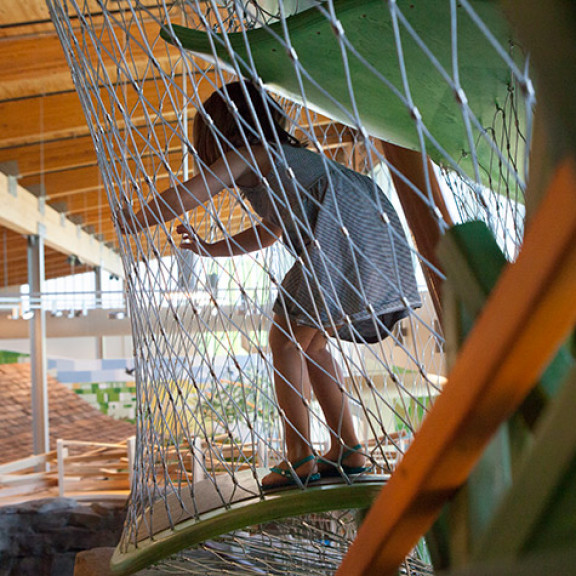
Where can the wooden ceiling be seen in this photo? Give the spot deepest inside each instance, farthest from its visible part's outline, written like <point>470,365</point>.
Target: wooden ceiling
<point>43,130</point>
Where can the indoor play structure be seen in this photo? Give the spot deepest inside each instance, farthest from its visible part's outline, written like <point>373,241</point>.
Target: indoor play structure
<point>433,100</point>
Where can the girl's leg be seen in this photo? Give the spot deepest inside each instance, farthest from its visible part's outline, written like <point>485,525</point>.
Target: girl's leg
<point>328,385</point>
<point>287,343</point>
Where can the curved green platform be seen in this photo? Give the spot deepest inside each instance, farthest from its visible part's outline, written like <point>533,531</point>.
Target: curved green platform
<point>195,520</point>
<point>382,108</point>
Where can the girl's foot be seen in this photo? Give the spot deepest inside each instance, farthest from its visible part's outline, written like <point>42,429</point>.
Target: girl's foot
<point>351,461</point>
<point>300,472</point>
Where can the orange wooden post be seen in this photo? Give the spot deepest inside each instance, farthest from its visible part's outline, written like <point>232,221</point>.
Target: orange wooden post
<point>529,314</point>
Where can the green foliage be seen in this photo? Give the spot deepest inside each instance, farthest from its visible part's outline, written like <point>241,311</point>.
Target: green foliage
<point>7,357</point>
<point>410,413</point>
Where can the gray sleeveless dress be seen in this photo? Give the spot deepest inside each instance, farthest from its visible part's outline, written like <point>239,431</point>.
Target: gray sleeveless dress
<point>353,271</point>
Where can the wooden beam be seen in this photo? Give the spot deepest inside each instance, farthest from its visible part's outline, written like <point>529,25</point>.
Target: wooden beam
<point>33,65</point>
<point>17,257</point>
<point>78,152</point>
<point>25,74</point>
<point>56,116</point>
<point>55,268</point>
<point>61,184</point>
<point>33,120</point>
<point>25,214</point>
<point>68,153</point>
<point>18,14</point>
<point>54,156</point>
<point>15,12</point>
<point>529,314</point>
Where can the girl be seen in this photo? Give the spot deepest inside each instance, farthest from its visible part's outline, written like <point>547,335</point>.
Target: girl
<point>353,274</point>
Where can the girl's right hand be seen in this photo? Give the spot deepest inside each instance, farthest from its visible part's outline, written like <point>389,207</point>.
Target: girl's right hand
<point>191,240</point>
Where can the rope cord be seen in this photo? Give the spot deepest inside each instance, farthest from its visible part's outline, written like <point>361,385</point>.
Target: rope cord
<point>210,408</point>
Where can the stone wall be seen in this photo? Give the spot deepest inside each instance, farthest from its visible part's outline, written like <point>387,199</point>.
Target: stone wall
<point>42,537</point>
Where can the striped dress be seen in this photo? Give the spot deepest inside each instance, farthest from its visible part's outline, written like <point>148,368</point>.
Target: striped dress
<point>353,272</point>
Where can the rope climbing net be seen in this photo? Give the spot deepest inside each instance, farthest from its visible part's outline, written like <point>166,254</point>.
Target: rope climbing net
<point>430,100</point>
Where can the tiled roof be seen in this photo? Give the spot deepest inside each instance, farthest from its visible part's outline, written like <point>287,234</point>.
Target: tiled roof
<point>71,418</point>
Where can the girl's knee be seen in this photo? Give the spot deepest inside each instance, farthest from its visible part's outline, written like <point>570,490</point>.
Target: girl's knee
<point>319,342</point>
<point>318,347</point>
<point>285,339</point>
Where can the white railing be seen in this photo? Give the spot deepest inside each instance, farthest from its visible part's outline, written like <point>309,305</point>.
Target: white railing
<point>77,469</point>
<point>19,304</point>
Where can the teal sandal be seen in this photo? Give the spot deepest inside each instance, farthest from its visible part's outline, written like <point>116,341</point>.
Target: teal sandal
<point>290,476</point>
<point>338,469</point>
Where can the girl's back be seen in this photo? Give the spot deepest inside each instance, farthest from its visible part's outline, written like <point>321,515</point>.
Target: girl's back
<point>351,241</point>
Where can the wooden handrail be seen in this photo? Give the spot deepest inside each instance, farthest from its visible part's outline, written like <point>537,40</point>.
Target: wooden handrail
<point>27,463</point>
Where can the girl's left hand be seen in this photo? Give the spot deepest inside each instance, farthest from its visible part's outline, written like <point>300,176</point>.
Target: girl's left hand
<point>191,240</point>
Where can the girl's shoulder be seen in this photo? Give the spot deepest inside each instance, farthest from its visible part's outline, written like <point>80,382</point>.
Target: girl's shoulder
<point>258,164</point>
<point>300,155</point>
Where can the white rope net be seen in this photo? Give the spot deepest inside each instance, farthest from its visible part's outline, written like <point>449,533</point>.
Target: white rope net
<point>209,420</point>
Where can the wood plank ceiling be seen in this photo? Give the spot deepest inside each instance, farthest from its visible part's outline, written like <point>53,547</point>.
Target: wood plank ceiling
<point>43,130</point>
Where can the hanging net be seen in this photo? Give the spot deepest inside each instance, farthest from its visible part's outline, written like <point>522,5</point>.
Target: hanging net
<point>411,116</point>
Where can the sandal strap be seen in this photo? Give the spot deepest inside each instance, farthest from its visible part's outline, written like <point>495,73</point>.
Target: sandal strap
<point>303,461</point>
<point>288,472</point>
<point>284,472</point>
<point>347,453</point>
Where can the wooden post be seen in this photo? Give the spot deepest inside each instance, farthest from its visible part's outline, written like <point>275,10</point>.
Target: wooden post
<point>61,453</point>
<point>198,473</point>
<point>131,452</point>
<point>420,215</point>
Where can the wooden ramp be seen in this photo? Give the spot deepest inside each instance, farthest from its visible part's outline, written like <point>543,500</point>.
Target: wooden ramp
<point>184,520</point>
<point>374,72</point>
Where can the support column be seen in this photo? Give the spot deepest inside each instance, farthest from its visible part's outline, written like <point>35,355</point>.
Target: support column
<point>40,431</point>
<point>98,292</point>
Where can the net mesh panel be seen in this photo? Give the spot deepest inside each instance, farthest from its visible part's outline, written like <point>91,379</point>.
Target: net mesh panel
<point>206,403</point>
<point>313,544</point>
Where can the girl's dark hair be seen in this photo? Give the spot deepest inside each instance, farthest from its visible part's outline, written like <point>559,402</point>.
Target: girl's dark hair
<point>231,125</point>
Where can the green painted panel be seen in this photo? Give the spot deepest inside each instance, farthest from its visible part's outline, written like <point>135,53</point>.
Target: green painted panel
<point>370,79</point>
<point>557,527</point>
<point>539,512</point>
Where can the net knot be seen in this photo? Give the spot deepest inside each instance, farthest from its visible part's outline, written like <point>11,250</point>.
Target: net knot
<point>461,97</point>
<point>337,28</point>
<point>415,113</point>
<point>292,54</point>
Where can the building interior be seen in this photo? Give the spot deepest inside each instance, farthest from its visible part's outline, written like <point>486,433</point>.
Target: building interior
<point>68,359</point>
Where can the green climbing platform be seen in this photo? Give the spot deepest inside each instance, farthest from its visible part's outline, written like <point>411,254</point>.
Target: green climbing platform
<point>370,78</point>
<point>228,504</point>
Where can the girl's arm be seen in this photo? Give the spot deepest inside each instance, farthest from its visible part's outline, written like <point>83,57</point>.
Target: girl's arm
<point>177,200</point>
<point>251,240</point>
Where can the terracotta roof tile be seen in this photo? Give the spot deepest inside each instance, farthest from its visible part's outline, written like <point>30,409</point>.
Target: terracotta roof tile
<point>71,417</point>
